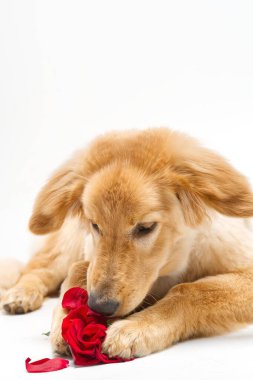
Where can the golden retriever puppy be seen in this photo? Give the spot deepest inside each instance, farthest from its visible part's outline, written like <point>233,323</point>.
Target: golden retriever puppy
<point>153,225</point>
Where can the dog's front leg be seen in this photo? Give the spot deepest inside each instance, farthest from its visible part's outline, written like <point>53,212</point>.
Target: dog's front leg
<point>76,277</point>
<point>209,306</point>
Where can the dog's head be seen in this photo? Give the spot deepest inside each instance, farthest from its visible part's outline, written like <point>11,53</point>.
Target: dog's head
<point>137,213</point>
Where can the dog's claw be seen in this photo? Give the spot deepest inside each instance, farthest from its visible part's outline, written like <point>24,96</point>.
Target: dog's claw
<point>19,310</point>
<point>7,308</point>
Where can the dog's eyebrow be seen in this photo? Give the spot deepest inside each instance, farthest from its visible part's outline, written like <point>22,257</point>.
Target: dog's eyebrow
<point>151,217</point>
<point>87,212</point>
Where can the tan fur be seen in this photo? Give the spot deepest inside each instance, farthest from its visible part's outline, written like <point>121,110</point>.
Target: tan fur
<point>10,271</point>
<point>194,271</point>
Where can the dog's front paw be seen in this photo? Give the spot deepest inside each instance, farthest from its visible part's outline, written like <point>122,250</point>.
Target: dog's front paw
<point>57,342</point>
<point>127,338</point>
<point>19,300</point>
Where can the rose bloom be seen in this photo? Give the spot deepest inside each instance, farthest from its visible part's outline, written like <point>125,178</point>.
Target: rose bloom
<point>83,330</point>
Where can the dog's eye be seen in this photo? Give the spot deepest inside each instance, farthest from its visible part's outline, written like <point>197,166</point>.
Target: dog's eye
<point>144,229</point>
<point>95,227</point>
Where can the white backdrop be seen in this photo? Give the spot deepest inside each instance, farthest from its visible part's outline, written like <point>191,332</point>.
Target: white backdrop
<point>70,70</point>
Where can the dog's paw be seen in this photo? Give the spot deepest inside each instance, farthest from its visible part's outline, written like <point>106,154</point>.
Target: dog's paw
<point>19,300</point>
<point>58,344</point>
<point>127,339</point>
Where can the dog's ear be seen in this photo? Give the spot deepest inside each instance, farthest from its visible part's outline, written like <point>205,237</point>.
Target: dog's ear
<point>61,193</point>
<point>205,178</point>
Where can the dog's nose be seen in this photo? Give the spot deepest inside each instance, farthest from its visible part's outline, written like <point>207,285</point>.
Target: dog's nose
<point>99,305</point>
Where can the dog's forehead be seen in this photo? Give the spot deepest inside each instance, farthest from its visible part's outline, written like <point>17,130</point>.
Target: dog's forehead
<point>121,192</point>
<point>115,201</point>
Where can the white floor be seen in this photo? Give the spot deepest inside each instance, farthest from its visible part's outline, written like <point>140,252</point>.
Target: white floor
<point>73,70</point>
<point>225,357</point>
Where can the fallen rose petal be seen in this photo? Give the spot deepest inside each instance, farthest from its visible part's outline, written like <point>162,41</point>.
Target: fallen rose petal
<point>46,365</point>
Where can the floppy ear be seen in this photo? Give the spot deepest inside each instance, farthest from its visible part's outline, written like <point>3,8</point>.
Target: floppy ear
<point>55,199</point>
<point>207,179</point>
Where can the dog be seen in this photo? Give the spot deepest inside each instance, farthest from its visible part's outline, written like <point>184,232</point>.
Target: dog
<point>155,227</point>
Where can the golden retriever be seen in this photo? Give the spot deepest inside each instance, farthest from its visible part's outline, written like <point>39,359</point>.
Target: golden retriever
<point>154,226</point>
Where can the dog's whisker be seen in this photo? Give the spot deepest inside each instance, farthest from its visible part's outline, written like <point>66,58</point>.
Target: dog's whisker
<point>152,296</point>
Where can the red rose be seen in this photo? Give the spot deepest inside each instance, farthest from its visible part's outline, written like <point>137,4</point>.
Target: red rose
<point>84,330</point>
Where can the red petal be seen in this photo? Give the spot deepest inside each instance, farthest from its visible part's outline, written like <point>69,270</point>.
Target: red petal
<point>96,317</point>
<point>46,365</point>
<point>74,297</point>
<point>103,358</point>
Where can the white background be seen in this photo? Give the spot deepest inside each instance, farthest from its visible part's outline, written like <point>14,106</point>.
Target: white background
<point>70,70</point>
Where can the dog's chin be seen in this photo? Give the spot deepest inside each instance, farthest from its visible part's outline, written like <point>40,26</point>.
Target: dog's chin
<point>147,301</point>
<point>125,313</point>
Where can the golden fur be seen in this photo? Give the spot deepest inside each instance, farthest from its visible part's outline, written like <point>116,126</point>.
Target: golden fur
<point>192,275</point>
